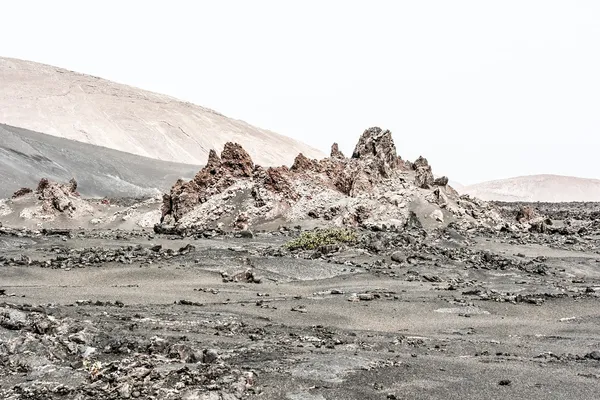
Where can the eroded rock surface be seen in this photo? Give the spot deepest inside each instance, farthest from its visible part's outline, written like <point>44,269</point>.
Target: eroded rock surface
<point>51,199</point>
<point>373,186</point>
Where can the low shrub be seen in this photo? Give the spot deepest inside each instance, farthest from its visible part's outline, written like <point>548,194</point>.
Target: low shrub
<point>321,237</point>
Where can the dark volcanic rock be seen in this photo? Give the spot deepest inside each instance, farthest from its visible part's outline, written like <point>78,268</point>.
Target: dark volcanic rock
<point>423,174</point>
<point>58,197</point>
<point>302,163</point>
<point>230,191</point>
<point>21,192</point>
<point>377,148</point>
<point>236,160</point>
<point>335,152</point>
<point>216,176</point>
<point>526,213</point>
<point>594,355</point>
<point>441,181</point>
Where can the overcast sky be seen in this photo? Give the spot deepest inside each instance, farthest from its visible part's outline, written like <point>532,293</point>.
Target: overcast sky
<point>483,89</point>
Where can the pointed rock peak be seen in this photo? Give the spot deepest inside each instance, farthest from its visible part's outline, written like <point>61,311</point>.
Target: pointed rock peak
<point>335,151</point>
<point>420,162</point>
<point>302,163</point>
<point>73,185</point>
<point>235,158</point>
<point>44,183</point>
<point>376,142</point>
<point>423,174</point>
<point>214,160</point>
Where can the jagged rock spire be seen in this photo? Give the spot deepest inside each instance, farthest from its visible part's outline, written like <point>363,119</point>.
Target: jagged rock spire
<point>335,151</point>
<point>376,145</point>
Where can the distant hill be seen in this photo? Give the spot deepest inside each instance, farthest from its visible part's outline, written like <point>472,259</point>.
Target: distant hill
<point>547,188</point>
<point>26,157</point>
<point>91,110</point>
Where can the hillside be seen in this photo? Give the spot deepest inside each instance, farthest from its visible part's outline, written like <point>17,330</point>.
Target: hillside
<point>88,109</point>
<point>546,188</point>
<point>26,157</point>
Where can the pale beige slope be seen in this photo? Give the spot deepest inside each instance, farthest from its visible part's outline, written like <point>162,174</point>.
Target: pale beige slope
<point>548,188</point>
<point>62,103</point>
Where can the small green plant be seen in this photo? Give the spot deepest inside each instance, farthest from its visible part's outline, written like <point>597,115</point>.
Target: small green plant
<point>93,368</point>
<point>321,237</point>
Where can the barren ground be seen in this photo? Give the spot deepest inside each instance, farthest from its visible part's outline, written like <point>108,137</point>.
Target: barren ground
<point>456,315</point>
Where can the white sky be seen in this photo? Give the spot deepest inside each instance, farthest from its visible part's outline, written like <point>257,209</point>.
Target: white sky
<point>483,89</point>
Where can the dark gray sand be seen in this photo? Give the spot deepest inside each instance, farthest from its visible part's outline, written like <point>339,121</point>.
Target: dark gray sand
<point>106,315</point>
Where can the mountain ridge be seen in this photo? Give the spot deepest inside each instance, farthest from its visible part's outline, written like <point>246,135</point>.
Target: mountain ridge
<point>27,156</point>
<point>89,109</point>
<point>540,187</point>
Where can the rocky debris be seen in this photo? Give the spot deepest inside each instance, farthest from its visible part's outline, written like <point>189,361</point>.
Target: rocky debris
<point>55,357</point>
<point>247,276</point>
<point>372,187</point>
<point>66,258</point>
<point>21,192</point>
<point>575,211</point>
<point>208,346</point>
<point>356,297</point>
<point>526,214</point>
<point>4,208</point>
<point>399,257</point>
<point>594,355</point>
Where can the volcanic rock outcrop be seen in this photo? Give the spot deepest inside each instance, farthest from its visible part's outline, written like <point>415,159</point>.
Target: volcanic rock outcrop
<point>373,187</point>
<point>53,198</point>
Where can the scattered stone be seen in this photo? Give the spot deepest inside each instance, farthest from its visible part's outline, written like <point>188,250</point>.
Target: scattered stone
<point>594,355</point>
<point>22,192</point>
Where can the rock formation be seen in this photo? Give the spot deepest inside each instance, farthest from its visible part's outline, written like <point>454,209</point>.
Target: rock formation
<point>21,192</point>
<point>526,214</point>
<point>441,181</point>
<point>423,174</point>
<point>374,186</point>
<point>56,196</point>
<point>377,148</point>
<point>335,152</point>
<point>51,199</point>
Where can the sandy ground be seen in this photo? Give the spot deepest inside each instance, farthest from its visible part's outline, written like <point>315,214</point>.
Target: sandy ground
<point>303,338</point>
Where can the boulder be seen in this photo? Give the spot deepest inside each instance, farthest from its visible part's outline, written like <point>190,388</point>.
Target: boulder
<point>441,181</point>
<point>437,215</point>
<point>21,192</point>
<point>398,257</point>
<point>526,214</point>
